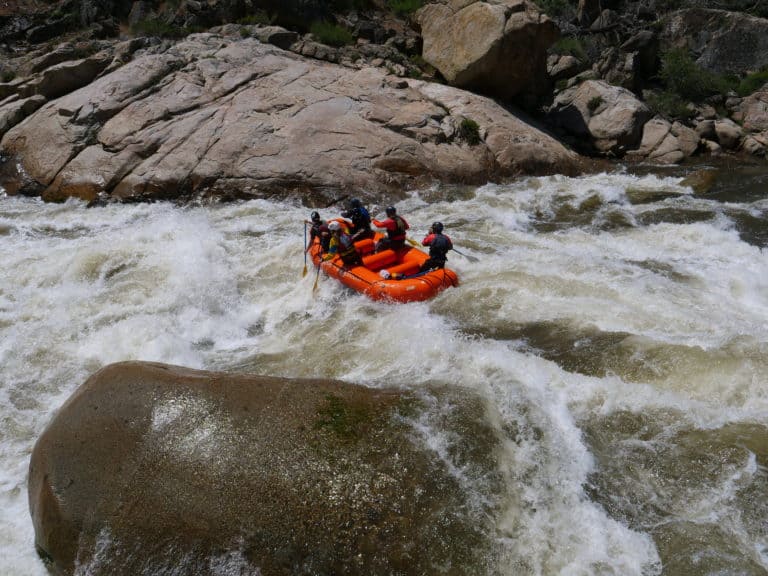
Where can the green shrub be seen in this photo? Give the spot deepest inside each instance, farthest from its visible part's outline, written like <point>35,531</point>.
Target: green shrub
<point>260,17</point>
<point>154,27</point>
<point>346,5</point>
<point>594,103</point>
<point>331,34</point>
<point>418,61</point>
<point>414,73</point>
<point>570,45</point>
<point>554,8</point>
<point>404,7</point>
<point>7,75</point>
<point>687,79</point>
<point>669,105</point>
<point>752,83</point>
<point>469,131</point>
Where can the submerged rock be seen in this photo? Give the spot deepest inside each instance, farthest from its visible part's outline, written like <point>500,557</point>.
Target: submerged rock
<point>155,469</point>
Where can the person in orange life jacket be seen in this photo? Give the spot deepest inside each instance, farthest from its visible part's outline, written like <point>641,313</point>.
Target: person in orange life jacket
<point>395,226</point>
<point>320,230</point>
<point>360,218</point>
<point>439,244</point>
<point>342,244</point>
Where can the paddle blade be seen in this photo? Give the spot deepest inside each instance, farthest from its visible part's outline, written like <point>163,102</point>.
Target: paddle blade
<point>304,273</point>
<point>467,256</point>
<point>317,277</point>
<point>412,242</point>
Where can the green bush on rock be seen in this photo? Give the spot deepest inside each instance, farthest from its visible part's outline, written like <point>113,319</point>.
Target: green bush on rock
<point>331,34</point>
<point>469,131</point>
<point>404,7</point>
<point>682,76</point>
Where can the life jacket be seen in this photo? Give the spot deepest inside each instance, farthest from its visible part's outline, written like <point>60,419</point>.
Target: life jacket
<point>440,246</point>
<point>400,227</point>
<point>346,245</point>
<point>361,219</point>
<point>320,230</point>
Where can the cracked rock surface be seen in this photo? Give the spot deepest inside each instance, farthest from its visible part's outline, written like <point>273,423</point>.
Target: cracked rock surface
<point>224,116</point>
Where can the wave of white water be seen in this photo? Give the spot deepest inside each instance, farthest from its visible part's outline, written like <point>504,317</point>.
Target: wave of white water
<point>222,288</point>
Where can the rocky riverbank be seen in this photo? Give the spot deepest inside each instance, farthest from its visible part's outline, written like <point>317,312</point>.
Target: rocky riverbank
<point>222,115</point>
<point>254,109</point>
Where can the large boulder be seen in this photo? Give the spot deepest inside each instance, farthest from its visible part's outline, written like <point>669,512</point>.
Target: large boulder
<point>14,110</point>
<point>721,41</point>
<point>497,48</point>
<point>754,111</point>
<point>156,469</point>
<point>666,143</point>
<point>604,118</point>
<point>227,116</point>
<point>729,134</point>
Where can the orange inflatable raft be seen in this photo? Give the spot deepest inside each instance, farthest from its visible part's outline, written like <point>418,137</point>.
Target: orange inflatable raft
<point>400,283</point>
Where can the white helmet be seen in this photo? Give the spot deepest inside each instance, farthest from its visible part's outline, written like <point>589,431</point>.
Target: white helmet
<point>333,226</point>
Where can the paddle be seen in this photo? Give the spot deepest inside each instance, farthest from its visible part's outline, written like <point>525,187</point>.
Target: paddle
<point>305,251</point>
<point>467,256</point>
<point>317,277</point>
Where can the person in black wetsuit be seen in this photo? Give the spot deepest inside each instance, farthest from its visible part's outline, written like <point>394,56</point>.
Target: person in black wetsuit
<point>439,245</point>
<point>360,218</point>
<point>320,230</point>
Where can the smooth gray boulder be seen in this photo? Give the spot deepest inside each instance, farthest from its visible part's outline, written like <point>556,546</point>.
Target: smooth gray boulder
<point>497,48</point>
<point>157,469</point>
<point>608,118</point>
<point>664,142</point>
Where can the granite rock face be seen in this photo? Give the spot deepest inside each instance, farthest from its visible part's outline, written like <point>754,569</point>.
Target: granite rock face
<point>153,469</point>
<point>230,117</point>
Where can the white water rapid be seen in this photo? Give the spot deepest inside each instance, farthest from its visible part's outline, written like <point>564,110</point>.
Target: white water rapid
<point>619,322</point>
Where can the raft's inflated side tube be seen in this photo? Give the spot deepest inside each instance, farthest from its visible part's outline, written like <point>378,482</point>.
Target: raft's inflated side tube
<point>405,268</point>
<point>379,260</point>
<point>365,246</point>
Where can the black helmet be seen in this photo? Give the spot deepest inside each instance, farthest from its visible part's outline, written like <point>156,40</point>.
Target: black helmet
<point>355,203</point>
<point>315,217</point>
<point>391,211</point>
<point>437,227</point>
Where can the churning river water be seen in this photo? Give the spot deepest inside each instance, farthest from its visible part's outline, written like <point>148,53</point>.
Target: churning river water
<point>619,321</point>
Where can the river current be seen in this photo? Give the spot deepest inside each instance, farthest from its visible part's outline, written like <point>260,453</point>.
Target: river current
<point>618,321</point>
